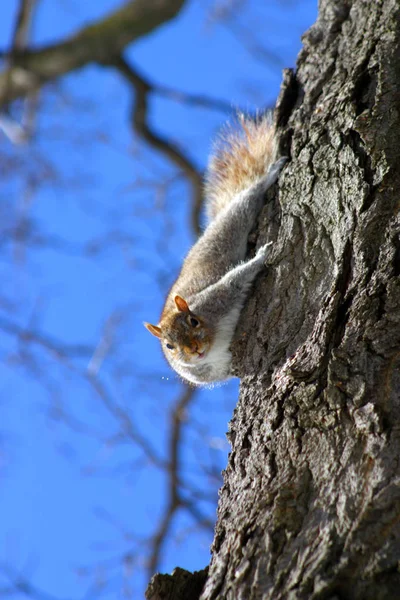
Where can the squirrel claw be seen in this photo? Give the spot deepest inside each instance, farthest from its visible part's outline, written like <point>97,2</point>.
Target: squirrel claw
<point>263,252</point>
<point>274,171</point>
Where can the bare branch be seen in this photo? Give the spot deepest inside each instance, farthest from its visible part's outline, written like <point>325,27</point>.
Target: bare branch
<point>55,347</point>
<point>169,149</point>
<point>246,37</point>
<point>174,501</point>
<point>20,133</point>
<point>125,421</point>
<point>194,99</point>
<point>104,344</point>
<point>20,584</point>
<point>22,26</point>
<point>12,129</point>
<point>94,43</point>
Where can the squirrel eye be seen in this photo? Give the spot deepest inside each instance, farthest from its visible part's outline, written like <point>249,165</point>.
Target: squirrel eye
<point>169,346</point>
<point>194,322</point>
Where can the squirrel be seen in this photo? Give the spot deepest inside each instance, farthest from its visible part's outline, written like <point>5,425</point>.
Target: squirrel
<point>202,309</point>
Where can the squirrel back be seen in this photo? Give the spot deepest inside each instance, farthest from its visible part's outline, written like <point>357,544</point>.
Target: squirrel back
<point>241,157</point>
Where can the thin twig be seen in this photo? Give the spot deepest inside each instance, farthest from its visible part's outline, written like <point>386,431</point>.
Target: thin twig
<point>16,132</point>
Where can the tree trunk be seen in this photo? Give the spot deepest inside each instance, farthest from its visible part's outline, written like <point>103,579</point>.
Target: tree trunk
<point>310,506</point>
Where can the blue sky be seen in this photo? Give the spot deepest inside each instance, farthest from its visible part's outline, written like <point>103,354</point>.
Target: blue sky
<point>76,497</point>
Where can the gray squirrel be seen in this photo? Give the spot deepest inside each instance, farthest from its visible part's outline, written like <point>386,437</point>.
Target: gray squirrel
<point>202,309</point>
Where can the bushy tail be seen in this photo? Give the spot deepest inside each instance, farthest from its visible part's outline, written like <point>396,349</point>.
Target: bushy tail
<point>241,157</point>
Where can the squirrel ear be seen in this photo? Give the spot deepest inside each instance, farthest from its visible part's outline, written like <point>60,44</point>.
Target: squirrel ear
<point>181,304</point>
<point>154,330</point>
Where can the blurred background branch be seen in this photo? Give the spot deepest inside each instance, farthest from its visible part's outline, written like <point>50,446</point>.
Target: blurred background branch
<point>110,465</point>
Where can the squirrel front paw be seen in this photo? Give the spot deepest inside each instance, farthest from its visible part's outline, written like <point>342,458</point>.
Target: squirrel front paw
<point>263,252</point>
<point>274,171</point>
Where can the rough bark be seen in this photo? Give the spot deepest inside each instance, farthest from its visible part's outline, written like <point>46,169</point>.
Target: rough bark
<point>180,585</point>
<point>310,506</point>
<point>98,42</point>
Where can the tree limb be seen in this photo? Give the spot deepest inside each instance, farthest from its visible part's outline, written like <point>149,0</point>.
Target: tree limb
<point>22,26</point>
<point>94,43</point>
<point>166,147</point>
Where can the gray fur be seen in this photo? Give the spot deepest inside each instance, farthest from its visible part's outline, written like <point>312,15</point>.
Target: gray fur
<point>214,281</point>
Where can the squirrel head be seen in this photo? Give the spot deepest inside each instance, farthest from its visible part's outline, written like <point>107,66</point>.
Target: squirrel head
<point>183,334</point>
